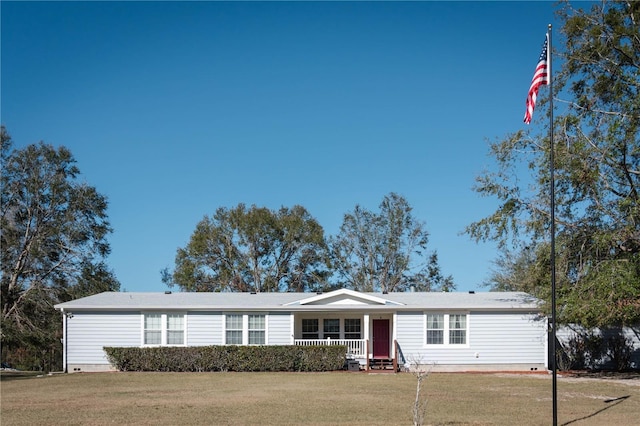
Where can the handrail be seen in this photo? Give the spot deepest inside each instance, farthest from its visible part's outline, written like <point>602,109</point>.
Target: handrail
<point>395,356</point>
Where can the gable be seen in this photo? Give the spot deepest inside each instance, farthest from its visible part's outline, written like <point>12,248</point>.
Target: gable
<point>340,300</point>
<point>343,297</point>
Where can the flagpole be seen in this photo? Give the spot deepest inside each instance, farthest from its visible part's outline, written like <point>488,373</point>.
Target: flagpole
<point>553,240</point>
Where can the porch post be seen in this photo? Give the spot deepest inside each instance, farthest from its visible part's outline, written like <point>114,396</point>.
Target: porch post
<point>366,326</point>
<point>292,319</point>
<point>367,335</point>
<point>394,330</point>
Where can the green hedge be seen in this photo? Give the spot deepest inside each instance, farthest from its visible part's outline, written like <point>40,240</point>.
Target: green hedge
<point>228,358</point>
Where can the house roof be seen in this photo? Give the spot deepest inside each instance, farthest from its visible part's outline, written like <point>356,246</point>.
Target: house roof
<point>339,300</point>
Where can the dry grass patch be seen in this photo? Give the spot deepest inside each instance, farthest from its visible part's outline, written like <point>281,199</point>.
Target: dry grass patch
<point>309,398</point>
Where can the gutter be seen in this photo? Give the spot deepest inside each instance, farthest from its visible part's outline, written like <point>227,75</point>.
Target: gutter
<point>297,308</point>
<point>64,340</point>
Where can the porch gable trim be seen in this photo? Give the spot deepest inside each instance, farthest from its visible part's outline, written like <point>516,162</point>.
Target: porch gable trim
<point>344,292</point>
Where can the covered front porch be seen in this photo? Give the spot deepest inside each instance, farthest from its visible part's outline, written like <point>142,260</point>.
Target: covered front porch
<point>369,339</point>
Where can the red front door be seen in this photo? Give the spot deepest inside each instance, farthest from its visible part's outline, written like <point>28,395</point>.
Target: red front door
<point>381,338</point>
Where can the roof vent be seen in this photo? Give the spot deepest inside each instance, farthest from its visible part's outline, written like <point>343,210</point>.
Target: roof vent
<point>472,292</point>
<point>167,292</point>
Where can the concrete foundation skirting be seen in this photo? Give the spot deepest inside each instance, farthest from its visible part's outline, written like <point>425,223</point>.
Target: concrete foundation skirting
<point>457,368</point>
<point>436,368</point>
<point>89,368</point>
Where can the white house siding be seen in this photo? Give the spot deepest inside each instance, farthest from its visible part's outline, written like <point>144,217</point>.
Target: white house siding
<point>494,335</point>
<point>204,328</point>
<point>410,337</point>
<point>279,328</point>
<point>88,333</point>
<point>491,339</point>
<point>565,333</point>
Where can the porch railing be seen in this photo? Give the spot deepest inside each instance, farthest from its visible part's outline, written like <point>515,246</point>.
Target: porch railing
<point>356,348</point>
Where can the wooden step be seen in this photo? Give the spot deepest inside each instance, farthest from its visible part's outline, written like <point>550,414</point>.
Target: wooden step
<point>381,364</point>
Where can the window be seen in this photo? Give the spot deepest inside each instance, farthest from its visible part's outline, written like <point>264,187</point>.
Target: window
<point>245,329</point>
<point>153,329</point>
<point>457,329</point>
<point>163,329</point>
<point>233,326</point>
<point>331,329</point>
<point>309,328</point>
<point>175,329</point>
<point>435,329</point>
<point>352,328</point>
<point>256,330</point>
<point>446,329</point>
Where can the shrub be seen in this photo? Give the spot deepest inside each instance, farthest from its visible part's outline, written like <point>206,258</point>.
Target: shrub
<point>619,349</point>
<point>597,351</point>
<point>228,358</point>
<point>584,351</point>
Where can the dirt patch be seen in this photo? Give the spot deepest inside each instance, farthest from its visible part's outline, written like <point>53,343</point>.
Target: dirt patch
<point>631,378</point>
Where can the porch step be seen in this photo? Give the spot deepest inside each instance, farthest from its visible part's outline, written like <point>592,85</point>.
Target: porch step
<point>381,364</point>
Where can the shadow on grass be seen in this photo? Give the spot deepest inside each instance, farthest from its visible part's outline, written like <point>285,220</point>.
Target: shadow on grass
<point>7,376</point>
<point>613,402</point>
<point>618,375</point>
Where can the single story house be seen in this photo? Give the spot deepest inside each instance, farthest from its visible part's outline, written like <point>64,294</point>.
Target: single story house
<point>448,331</point>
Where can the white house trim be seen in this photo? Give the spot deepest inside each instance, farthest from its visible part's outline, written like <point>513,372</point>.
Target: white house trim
<point>344,297</point>
<point>164,329</point>
<point>447,330</point>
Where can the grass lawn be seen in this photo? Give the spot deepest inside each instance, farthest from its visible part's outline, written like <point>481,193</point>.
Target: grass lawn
<point>311,398</point>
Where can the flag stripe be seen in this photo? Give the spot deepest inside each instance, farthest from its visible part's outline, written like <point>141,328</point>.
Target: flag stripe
<point>540,77</point>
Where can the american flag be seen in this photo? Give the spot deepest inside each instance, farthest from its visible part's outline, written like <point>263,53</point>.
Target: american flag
<point>540,77</point>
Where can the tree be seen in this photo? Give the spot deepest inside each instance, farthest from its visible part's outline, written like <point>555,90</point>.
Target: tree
<point>597,167</point>
<point>253,249</point>
<point>53,234</point>
<point>519,270</point>
<point>94,278</point>
<point>386,251</point>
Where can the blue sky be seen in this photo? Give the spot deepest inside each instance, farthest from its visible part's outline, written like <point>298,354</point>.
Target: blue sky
<point>175,109</point>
